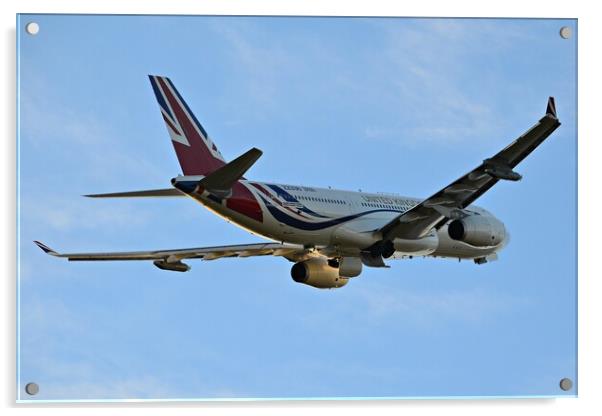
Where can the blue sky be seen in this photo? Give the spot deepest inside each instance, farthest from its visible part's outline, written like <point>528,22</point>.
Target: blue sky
<point>392,105</point>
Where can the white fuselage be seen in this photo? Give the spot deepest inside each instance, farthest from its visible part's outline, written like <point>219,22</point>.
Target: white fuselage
<point>342,221</point>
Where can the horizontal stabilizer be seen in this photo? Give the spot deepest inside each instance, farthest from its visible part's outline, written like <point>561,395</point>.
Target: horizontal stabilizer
<point>221,180</point>
<point>140,194</point>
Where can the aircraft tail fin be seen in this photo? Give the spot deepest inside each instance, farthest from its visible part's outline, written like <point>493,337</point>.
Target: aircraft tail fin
<point>196,153</point>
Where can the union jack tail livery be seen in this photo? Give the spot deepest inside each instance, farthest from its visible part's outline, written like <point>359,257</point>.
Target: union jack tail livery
<point>196,152</point>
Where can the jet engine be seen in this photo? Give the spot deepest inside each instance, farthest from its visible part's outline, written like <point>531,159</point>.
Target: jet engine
<point>477,230</point>
<point>318,273</point>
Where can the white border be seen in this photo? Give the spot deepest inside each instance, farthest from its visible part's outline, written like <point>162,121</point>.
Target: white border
<point>589,225</point>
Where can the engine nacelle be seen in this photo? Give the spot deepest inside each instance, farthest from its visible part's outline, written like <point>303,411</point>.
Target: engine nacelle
<point>317,273</point>
<point>477,230</point>
<point>350,266</point>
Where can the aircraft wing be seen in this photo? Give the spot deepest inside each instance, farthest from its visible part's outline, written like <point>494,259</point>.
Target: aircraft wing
<point>449,202</point>
<point>176,255</point>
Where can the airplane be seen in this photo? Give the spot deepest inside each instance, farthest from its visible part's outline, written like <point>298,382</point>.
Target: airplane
<point>328,234</point>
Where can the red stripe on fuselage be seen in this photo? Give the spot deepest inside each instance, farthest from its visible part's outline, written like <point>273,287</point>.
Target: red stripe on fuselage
<point>195,159</point>
<point>277,201</point>
<point>244,202</point>
<point>261,188</point>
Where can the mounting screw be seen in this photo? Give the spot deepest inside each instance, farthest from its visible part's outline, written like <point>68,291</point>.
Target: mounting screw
<point>32,28</point>
<point>566,384</point>
<point>32,389</point>
<point>565,32</point>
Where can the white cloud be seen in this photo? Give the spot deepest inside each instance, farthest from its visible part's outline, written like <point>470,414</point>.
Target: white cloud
<point>261,65</point>
<point>42,116</point>
<point>427,68</point>
<point>417,310</point>
<point>78,137</point>
<point>144,387</point>
<point>78,213</point>
<point>62,368</point>
<point>428,309</point>
<point>62,350</point>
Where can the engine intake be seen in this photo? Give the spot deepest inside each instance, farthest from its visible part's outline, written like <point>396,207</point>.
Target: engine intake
<point>477,230</point>
<point>317,273</point>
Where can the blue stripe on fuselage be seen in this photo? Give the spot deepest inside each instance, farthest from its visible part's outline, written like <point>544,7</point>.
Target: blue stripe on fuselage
<point>290,198</point>
<point>312,226</point>
<point>282,193</point>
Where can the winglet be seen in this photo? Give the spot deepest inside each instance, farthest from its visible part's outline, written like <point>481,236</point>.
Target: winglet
<point>551,108</point>
<point>46,249</point>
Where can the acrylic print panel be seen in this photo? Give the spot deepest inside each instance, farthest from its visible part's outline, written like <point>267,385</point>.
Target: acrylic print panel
<point>393,110</point>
